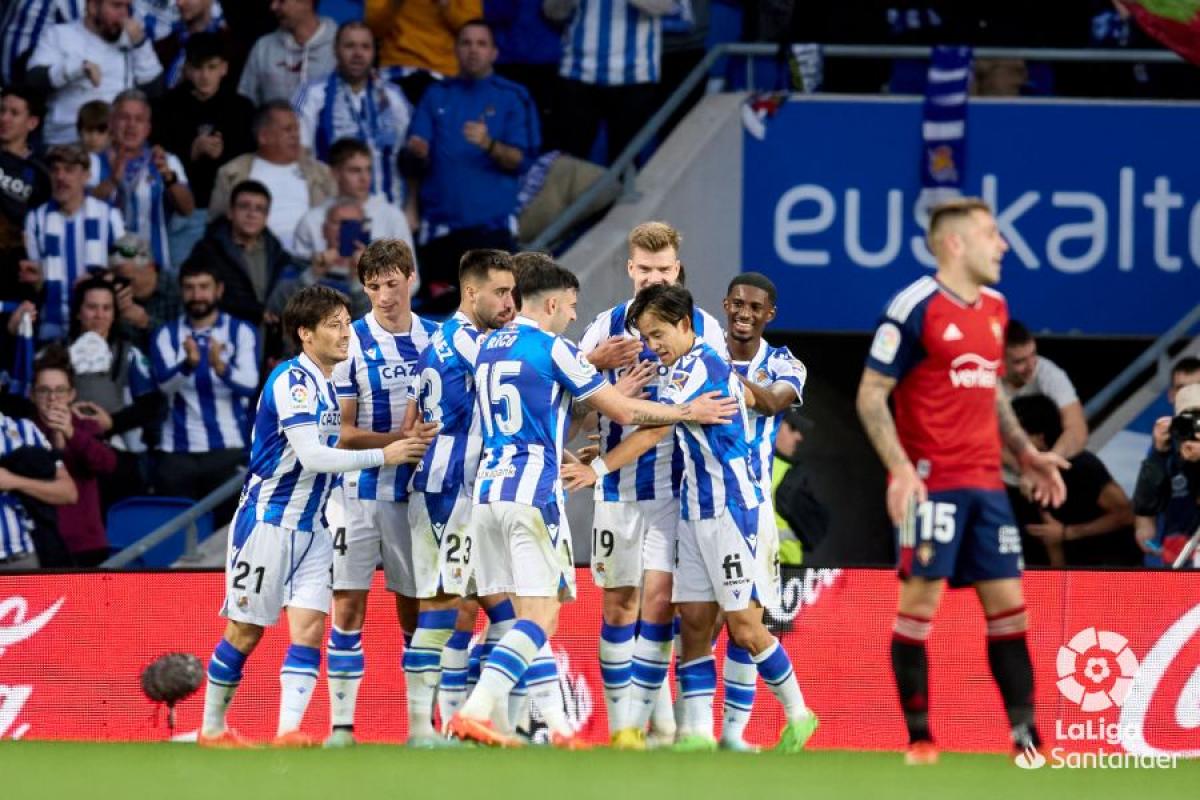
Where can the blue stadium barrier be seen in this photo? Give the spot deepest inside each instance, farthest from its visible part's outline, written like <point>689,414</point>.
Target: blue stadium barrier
<point>132,518</point>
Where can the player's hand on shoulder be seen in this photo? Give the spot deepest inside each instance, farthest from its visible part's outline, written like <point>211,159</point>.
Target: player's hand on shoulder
<point>636,379</point>
<point>905,490</point>
<point>713,408</point>
<point>615,352</point>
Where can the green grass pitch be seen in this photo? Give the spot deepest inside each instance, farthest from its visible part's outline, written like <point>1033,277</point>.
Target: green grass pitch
<point>178,771</point>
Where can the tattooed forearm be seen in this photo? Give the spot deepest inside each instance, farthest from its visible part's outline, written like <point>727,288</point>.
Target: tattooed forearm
<point>1011,432</point>
<point>877,420</point>
<point>643,418</point>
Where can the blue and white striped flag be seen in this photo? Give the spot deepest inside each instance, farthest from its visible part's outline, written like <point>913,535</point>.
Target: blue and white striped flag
<point>944,126</point>
<point>20,375</point>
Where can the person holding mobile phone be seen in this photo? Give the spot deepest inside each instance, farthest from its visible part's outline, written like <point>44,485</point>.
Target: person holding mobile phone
<point>350,162</point>
<point>346,235</point>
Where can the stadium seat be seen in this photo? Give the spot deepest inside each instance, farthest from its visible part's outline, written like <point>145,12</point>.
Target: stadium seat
<point>134,517</point>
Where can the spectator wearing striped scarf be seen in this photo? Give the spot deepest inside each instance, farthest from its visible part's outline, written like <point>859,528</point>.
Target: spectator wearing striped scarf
<point>147,183</point>
<point>353,103</point>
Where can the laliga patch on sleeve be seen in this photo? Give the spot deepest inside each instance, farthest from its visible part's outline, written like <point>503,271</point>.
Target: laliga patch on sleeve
<point>886,343</point>
<point>298,394</point>
<point>584,364</point>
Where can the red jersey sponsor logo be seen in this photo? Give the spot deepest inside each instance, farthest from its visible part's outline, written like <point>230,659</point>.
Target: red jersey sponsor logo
<point>971,371</point>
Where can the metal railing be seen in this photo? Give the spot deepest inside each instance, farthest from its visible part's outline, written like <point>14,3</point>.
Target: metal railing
<point>1102,399</point>
<point>185,522</point>
<point>623,170</point>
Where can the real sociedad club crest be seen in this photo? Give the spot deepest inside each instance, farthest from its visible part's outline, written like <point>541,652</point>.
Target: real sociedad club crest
<point>941,164</point>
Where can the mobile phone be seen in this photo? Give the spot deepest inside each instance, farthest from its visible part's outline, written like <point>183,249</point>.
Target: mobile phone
<point>350,233</point>
<point>86,411</point>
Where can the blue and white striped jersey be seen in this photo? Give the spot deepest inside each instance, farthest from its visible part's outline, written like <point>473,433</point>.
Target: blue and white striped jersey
<point>23,23</point>
<point>770,365</point>
<point>525,379</point>
<point>657,472</point>
<point>445,393</point>
<point>376,376</point>
<point>717,472</point>
<point>612,43</point>
<point>66,246</point>
<point>15,524</point>
<point>208,411</point>
<point>278,490</point>
<point>142,198</point>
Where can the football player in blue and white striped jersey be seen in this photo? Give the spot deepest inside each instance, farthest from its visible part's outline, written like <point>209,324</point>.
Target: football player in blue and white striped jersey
<point>721,565</point>
<point>439,509</point>
<point>372,386</point>
<point>527,376</point>
<point>776,379</point>
<point>637,508</point>
<point>280,548</point>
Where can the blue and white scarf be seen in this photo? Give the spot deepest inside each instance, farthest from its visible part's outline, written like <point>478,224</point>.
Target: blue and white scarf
<point>944,126</point>
<point>141,197</point>
<point>376,128</point>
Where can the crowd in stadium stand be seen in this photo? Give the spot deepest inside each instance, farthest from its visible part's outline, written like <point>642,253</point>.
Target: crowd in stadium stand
<point>168,177</point>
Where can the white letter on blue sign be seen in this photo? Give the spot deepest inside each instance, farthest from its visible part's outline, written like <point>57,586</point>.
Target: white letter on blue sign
<point>895,230</point>
<point>786,227</point>
<point>1006,220</point>
<point>1161,201</point>
<point>1095,229</point>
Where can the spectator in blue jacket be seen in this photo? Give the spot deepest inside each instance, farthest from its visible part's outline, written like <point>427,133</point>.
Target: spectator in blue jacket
<point>469,139</point>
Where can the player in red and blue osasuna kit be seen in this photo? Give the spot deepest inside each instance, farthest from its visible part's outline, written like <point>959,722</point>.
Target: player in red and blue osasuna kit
<point>939,351</point>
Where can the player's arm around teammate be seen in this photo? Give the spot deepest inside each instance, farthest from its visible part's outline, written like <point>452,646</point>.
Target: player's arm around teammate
<point>280,551</point>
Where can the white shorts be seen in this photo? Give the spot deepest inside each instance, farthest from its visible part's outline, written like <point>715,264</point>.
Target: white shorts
<point>375,530</point>
<point>442,543</point>
<point>523,550</point>
<point>724,561</point>
<point>629,538</point>
<point>268,568</point>
<point>768,553</point>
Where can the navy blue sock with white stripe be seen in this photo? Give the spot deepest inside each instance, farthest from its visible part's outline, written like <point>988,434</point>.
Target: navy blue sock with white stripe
<point>224,677</point>
<point>776,670</point>
<point>616,669</point>
<point>344,674</point>
<point>651,660</point>
<point>698,686</point>
<point>740,677</point>
<point>508,662</point>
<point>545,691</point>
<point>297,679</point>
<point>423,667</point>
<point>453,689</point>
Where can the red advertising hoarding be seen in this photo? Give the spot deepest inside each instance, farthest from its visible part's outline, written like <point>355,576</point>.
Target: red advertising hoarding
<point>1112,651</point>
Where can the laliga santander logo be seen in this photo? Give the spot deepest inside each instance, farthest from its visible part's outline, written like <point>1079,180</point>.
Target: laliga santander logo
<point>1096,669</point>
